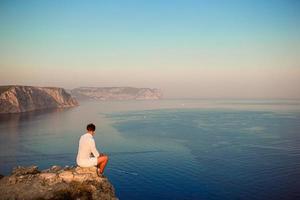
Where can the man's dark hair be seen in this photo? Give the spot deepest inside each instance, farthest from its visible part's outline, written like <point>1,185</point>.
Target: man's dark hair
<point>91,127</point>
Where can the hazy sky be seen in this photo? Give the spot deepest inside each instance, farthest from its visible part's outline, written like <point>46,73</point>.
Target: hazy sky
<point>201,48</point>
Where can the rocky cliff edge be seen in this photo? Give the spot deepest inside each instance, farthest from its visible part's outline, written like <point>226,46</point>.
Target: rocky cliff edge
<point>55,183</point>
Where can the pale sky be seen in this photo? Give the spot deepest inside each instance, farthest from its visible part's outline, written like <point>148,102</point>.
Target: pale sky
<point>189,49</point>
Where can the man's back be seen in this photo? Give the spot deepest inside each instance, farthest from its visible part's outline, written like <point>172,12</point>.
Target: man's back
<point>85,148</point>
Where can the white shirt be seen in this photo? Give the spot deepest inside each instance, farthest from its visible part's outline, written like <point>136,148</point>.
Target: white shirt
<point>86,147</point>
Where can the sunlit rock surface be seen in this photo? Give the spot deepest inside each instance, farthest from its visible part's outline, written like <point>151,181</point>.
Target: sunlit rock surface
<point>55,183</point>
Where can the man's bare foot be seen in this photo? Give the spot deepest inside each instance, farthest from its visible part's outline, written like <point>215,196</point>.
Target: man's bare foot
<point>99,173</point>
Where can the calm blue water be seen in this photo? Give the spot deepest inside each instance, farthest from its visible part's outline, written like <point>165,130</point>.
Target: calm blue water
<point>170,149</point>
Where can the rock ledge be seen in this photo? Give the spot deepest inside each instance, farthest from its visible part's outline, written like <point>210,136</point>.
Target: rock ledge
<point>55,183</point>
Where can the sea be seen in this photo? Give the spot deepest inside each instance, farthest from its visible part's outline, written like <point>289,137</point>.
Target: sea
<point>209,149</point>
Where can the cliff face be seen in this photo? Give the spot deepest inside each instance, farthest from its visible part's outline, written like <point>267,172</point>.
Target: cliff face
<point>116,93</point>
<point>15,99</point>
<point>55,183</point>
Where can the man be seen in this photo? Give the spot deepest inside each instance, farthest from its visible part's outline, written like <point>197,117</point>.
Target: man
<point>86,148</point>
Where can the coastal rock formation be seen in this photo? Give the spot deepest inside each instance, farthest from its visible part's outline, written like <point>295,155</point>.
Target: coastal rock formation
<point>116,93</point>
<point>55,183</point>
<point>16,99</point>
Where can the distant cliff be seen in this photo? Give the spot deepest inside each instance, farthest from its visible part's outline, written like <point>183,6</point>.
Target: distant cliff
<point>116,93</point>
<point>55,183</point>
<point>16,99</point>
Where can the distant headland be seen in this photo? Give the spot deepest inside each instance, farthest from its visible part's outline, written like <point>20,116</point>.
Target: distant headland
<point>116,93</point>
<point>17,99</point>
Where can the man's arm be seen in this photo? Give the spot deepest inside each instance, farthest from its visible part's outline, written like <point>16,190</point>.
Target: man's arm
<point>93,148</point>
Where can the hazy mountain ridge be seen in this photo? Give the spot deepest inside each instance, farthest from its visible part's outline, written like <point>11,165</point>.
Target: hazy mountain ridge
<point>116,93</point>
<point>16,98</point>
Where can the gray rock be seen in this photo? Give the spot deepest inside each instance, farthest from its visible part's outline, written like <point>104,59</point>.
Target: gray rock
<point>53,169</point>
<point>55,183</point>
<point>19,170</point>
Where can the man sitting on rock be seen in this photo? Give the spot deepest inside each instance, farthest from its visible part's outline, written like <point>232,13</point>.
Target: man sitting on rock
<point>86,148</point>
